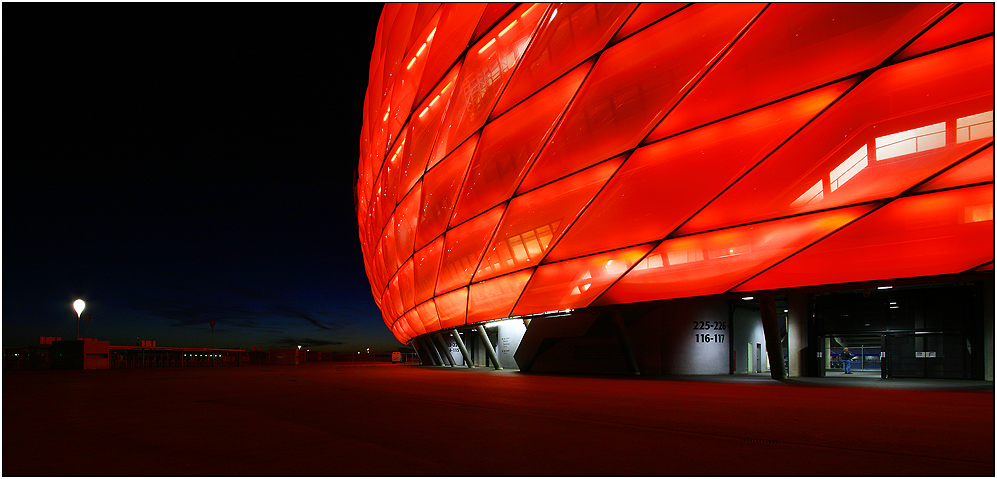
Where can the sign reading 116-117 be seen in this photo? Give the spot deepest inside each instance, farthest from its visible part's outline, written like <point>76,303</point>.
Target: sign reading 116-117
<point>710,326</point>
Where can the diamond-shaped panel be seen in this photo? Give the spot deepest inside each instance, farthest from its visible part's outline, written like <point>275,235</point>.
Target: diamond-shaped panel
<point>746,148</point>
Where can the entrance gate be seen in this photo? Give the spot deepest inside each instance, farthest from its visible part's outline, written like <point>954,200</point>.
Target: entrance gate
<point>940,355</point>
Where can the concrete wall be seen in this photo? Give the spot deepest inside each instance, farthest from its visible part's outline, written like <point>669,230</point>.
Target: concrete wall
<point>454,349</point>
<point>580,343</point>
<point>681,338</point>
<point>694,339</point>
<point>798,332</point>
<point>510,334</point>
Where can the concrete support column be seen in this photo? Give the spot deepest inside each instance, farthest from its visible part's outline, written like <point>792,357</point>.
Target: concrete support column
<point>463,349</point>
<point>488,346</point>
<point>429,344</point>
<point>625,346</point>
<point>442,344</point>
<point>800,351</point>
<point>773,341</point>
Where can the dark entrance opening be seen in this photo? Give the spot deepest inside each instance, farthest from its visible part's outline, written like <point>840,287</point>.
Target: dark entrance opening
<point>921,331</point>
<point>946,355</point>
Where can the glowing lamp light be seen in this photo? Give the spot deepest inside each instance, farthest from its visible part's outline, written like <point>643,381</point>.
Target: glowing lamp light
<point>748,298</point>
<point>506,30</point>
<point>78,305</point>
<point>490,43</point>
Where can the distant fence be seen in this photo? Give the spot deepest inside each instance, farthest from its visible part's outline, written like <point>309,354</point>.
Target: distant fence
<point>130,357</point>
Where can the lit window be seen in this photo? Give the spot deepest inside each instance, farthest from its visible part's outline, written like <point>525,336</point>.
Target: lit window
<point>910,141</point>
<point>683,256</point>
<point>815,193</point>
<point>978,213</point>
<point>850,167</point>
<point>518,250</point>
<point>654,261</point>
<point>974,127</point>
<point>532,245</point>
<point>545,234</point>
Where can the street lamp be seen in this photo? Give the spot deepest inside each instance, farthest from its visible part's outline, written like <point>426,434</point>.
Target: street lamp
<point>78,305</point>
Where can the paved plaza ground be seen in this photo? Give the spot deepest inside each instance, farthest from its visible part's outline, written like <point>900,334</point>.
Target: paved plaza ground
<point>341,419</point>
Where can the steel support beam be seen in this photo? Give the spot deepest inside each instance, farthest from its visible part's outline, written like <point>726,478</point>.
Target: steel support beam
<point>414,345</point>
<point>628,351</point>
<point>463,350</point>
<point>444,350</point>
<point>488,346</point>
<point>773,339</point>
<point>429,344</point>
<point>424,357</point>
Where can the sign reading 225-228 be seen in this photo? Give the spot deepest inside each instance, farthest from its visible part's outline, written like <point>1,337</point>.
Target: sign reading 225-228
<point>709,326</point>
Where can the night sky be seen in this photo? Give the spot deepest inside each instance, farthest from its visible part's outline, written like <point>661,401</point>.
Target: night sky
<point>173,164</point>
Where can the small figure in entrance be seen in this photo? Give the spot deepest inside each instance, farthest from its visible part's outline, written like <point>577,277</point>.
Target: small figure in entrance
<point>846,361</point>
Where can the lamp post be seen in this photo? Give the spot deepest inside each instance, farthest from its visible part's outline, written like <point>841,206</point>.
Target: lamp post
<point>78,305</point>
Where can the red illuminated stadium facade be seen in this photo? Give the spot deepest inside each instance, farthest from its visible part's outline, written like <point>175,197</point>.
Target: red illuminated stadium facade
<point>683,188</point>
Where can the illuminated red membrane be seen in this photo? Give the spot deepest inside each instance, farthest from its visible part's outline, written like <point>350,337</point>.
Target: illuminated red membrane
<point>936,233</point>
<point>826,42</point>
<point>634,83</point>
<point>519,159</point>
<point>966,21</point>
<point>671,173</point>
<point>712,263</point>
<point>919,117</point>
